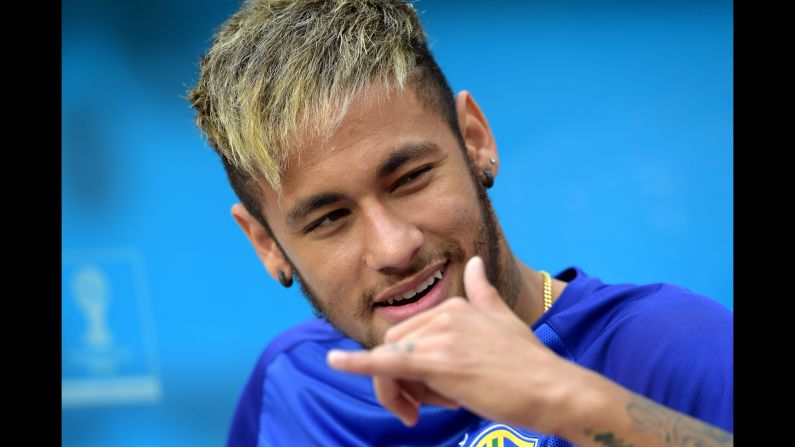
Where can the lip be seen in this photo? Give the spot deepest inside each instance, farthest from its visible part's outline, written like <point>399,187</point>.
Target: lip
<point>438,293</point>
<point>410,285</point>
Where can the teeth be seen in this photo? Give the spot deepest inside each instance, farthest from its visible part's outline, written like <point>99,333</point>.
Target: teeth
<point>432,279</point>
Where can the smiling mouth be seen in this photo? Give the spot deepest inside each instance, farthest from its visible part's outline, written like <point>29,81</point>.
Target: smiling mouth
<point>412,296</point>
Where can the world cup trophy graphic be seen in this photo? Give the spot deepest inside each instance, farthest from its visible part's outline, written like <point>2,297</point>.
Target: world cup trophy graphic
<point>91,291</point>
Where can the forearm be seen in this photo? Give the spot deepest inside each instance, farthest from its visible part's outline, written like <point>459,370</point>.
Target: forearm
<point>608,415</point>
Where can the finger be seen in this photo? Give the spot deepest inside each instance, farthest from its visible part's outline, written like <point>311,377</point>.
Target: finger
<point>420,392</point>
<point>480,292</point>
<point>383,360</point>
<point>392,396</point>
<point>414,325</point>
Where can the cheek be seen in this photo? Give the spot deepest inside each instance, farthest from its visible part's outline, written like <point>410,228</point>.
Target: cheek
<point>453,217</point>
<point>453,211</point>
<point>328,273</point>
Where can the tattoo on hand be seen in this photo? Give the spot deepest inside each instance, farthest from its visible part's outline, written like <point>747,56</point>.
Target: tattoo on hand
<point>673,428</point>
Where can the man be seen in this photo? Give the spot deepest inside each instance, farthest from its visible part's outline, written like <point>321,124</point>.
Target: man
<point>363,176</point>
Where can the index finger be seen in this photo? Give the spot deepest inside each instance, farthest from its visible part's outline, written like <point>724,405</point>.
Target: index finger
<point>393,397</point>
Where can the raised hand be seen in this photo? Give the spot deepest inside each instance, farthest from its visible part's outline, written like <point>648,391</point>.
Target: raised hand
<point>474,353</point>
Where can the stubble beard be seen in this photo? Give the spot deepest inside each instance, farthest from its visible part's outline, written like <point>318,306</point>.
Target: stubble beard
<point>501,271</point>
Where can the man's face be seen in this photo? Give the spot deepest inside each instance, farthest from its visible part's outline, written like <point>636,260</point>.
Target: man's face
<point>379,220</point>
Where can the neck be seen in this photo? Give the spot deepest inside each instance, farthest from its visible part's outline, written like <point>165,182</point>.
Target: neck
<point>527,286</point>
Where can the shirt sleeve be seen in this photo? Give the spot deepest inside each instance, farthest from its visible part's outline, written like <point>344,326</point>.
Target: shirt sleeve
<point>677,349</point>
<point>244,429</point>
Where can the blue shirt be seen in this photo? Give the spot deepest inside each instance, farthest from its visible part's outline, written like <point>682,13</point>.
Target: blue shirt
<point>658,340</point>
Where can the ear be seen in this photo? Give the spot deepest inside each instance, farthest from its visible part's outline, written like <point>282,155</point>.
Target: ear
<point>479,140</point>
<point>268,251</point>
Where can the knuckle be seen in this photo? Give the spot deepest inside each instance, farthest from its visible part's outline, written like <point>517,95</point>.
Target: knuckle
<point>456,303</point>
<point>391,335</point>
<point>445,320</point>
<point>448,342</point>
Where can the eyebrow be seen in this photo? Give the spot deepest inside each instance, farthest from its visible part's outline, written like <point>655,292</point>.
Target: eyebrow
<point>404,154</point>
<point>306,206</point>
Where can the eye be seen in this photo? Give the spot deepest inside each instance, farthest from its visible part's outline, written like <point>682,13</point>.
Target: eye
<point>411,176</point>
<point>327,220</point>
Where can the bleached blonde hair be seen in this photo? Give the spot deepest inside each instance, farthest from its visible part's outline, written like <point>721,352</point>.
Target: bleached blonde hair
<point>282,72</point>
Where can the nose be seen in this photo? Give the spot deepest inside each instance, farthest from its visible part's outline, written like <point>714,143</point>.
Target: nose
<point>392,241</point>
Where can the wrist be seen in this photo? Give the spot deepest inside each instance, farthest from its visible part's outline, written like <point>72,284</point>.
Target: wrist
<point>586,402</point>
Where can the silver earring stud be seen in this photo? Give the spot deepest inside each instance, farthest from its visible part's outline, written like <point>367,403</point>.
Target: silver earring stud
<point>493,161</point>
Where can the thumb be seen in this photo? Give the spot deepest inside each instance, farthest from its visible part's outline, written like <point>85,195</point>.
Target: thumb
<point>479,291</point>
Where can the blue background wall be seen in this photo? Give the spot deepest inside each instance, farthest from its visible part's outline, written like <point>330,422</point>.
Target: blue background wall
<point>613,121</point>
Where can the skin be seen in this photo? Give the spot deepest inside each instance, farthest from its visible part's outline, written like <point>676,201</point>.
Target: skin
<point>464,352</point>
<point>383,231</point>
<point>380,235</point>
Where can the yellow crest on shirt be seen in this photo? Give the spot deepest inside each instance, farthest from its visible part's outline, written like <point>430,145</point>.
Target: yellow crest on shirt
<point>503,436</point>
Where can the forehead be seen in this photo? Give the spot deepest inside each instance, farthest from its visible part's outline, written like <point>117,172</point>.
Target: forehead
<point>375,125</point>
<point>374,116</point>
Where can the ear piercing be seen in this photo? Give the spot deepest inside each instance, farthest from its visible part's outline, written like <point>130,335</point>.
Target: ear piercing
<point>488,182</point>
<point>286,282</point>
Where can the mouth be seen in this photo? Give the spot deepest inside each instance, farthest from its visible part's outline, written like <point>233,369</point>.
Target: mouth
<point>422,293</point>
<point>413,295</point>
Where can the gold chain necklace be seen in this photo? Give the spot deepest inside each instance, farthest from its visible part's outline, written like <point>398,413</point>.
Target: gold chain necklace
<point>547,290</point>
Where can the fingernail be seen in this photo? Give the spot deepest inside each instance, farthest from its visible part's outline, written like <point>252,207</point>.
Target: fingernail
<point>336,357</point>
<point>476,263</point>
<point>406,422</point>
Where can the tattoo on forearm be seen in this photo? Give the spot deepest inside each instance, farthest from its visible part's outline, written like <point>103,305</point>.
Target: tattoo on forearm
<point>674,428</point>
<point>669,426</point>
<point>607,438</point>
